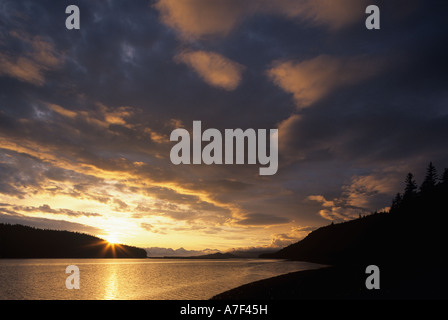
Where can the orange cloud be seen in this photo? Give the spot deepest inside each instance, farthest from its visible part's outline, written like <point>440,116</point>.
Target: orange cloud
<point>30,67</point>
<point>320,198</point>
<point>336,209</point>
<point>287,136</point>
<point>362,188</point>
<point>313,79</point>
<point>294,235</point>
<point>213,68</point>
<point>62,111</point>
<point>335,14</point>
<point>197,18</point>
<point>358,196</point>
<point>201,17</point>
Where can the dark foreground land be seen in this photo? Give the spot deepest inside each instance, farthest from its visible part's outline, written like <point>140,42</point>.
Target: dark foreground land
<point>408,243</point>
<point>345,283</point>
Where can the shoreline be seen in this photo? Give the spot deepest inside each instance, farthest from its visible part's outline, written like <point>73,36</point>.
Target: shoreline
<point>345,282</point>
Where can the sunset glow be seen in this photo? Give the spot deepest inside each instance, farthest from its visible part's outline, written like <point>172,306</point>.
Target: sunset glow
<point>86,117</point>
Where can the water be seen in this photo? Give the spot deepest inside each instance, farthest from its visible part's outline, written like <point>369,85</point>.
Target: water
<point>135,279</point>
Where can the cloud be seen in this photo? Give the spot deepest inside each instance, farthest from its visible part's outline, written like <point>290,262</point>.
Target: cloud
<point>336,209</point>
<point>56,167</point>
<point>313,79</point>
<point>213,68</point>
<point>104,137</point>
<point>340,213</point>
<point>44,223</point>
<point>362,189</point>
<point>322,200</point>
<point>199,18</point>
<point>120,205</point>
<point>282,240</point>
<point>62,111</point>
<point>151,228</point>
<point>257,219</point>
<point>363,194</point>
<point>287,137</point>
<point>30,66</point>
<point>90,121</point>
<point>335,14</point>
<point>23,175</point>
<point>295,234</point>
<point>180,205</point>
<point>45,208</point>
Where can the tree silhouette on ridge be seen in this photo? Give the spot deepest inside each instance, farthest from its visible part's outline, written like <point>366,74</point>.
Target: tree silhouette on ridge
<point>430,180</point>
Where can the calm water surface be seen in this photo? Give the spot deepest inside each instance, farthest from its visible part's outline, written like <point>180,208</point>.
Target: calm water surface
<point>135,279</point>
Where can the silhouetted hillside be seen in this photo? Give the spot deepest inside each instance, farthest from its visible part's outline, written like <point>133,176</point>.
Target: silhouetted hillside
<point>17,241</point>
<point>357,239</point>
<point>413,231</point>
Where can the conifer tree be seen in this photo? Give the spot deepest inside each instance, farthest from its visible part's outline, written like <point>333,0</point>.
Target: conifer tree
<point>443,184</point>
<point>430,179</point>
<point>396,202</point>
<point>410,188</point>
<point>444,178</point>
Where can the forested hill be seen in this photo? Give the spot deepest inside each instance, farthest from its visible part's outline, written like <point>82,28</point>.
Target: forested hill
<point>18,241</point>
<point>412,231</point>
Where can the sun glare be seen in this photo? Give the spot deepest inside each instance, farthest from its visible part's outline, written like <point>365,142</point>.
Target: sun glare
<point>112,239</point>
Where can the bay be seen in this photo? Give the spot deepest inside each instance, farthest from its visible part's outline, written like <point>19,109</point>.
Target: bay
<point>135,279</point>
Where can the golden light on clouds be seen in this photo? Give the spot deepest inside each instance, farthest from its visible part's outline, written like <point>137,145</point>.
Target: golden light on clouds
<point>114,195</point>
<point>213,68</point>
<point>86,115</point>
<point>31,66</point>
<point>201,18</point>
<point>62,111</point>
<point>313,79</point>
<point>121,201</point>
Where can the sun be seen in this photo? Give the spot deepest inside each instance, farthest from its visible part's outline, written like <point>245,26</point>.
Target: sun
<point>112,239</point>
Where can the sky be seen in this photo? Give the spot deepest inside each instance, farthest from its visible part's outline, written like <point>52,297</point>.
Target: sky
<point>86,115</point>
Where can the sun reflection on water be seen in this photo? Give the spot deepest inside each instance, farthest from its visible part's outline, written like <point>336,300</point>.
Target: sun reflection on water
<point>111,287</point>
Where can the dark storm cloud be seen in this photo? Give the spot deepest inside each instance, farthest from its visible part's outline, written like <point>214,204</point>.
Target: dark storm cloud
<point>351,104</point>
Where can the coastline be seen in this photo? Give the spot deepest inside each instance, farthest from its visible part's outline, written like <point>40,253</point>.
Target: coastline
<point>344,282</point>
